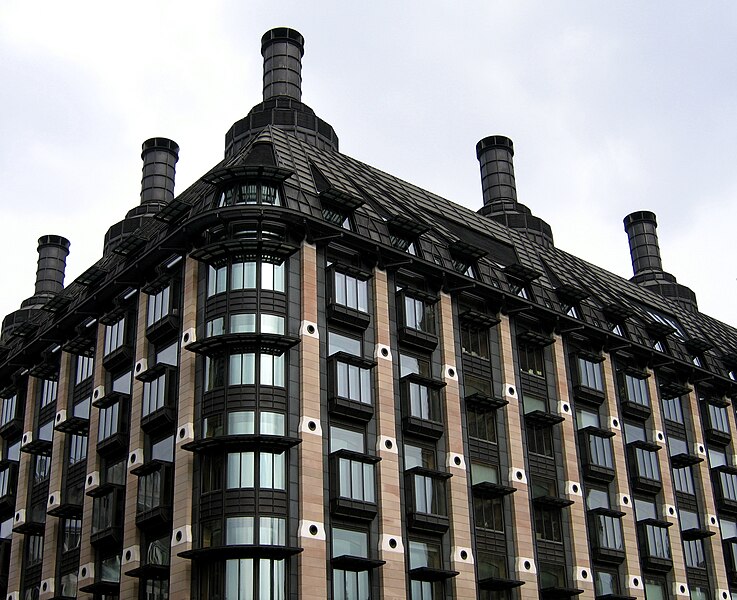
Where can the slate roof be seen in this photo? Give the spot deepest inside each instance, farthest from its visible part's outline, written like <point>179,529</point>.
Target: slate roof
<point>383,197</point>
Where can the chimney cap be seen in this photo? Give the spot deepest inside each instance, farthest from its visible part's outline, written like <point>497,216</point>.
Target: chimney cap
<point>494,141</point>
<point>283,34</point>
<point>160,143</point>
<point>640,216</point>
<point>54,240</point>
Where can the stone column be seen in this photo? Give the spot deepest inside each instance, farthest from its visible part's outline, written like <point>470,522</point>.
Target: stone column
<point>25,466</point>
<point>388,473</point>
<point>464,584</point>
<point>524,544</point>
<point>180,571</point>
<point>312,536</point>
<point>632,584</point>
<point>577,511</point>
<point>58,460</point>
<point>131,534</point>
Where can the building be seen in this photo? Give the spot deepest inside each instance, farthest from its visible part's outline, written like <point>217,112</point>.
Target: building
<point>305,378</point>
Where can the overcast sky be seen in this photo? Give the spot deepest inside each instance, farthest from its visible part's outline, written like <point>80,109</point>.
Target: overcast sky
<point>612,107</point>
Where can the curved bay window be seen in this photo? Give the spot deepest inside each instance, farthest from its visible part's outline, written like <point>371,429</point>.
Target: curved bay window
<point>249,193</point>
<point>245,275</point>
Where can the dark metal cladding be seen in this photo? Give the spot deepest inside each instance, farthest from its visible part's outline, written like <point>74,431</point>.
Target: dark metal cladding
<point>160,156</point>
<point>52,261</point>
<point>646,263</point>
<point>282,107</point>
<point>282,49</point>
<point>495,154</point>
<point>643,239</point>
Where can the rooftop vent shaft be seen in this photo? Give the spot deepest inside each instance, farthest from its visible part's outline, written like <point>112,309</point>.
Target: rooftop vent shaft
<point>643,239</point>
<point>160,156</point>
<point>495,155</point>
<point>282,49</point>
<point>52,261</point>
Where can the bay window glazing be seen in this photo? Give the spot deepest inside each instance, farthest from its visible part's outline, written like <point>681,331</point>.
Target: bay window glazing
<point>114,336</point>
<point>249,275</point>
<point>158,306</point>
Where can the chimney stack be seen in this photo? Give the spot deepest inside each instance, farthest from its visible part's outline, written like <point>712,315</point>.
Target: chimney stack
<point>495,154</point>
<point>646,264</point>
<point>643,240</point>
<point>282,49</point>
<point>52,261</point>
<point>160,156</point>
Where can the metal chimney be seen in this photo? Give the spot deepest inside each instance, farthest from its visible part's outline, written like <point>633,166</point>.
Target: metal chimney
<point>495,155</point>
<point>643,240</point>
<point>646,264</point>
<point>52,261</point>
<point>282,49</point>
<point>160,156</point>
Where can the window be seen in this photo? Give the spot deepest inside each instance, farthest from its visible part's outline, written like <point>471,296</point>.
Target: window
<point>5,482</point>
<point>110,569</point>
<point>489,513</point>
<point>694,553</point>
<point>81,409</point>
<point>647,464</point>
<point>46,431</point>
<point>728,484</point>
<point>154,394</point>
<point>657,541</point>
<point>350,585</point>
<point>540,441</point>
<point>419,315</point>
<point>72,534</point>
<point>149,491</point>
<point>475,341</point>
<point>353,382</point>
<point>532,360</point>
<point>655,589</point>
<point>683,480</point>
<point>122,383</point>
<point>68,585</point>
<point>350,291</point>
<point>424,402</point>
<point>425,554</point>
<point>634,389</point>
<point>107,511</point>
<point>343,343</point>
<point>244,276</point>
<point>34,549</point>
<point>242,369</point>
<point>77,448</point>
<point>547,524</point>
<point>356,480</point>
<point>250,193</point>
<point>109,422</point>
<point>249,578</point>
<point>158,306</point>
<point>429,494</point>
<point>48,392</point>
<point>606,582</point>
<point>85,366</point>
<point>41,468</point>
<point>346,439</point>
<point>245,468</point>
<point>412,364</point>
<point>243,422</point>
<point>481,424</point>
<point>589,373</point>
<point>718,418</point>
<point>600,451</point>
<point>114,336</point>
<point>417,456</point>
<point>8,410</point>
<point>672,409</point>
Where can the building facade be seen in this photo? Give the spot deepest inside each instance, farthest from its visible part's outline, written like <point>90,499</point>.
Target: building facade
<point>305,378</point>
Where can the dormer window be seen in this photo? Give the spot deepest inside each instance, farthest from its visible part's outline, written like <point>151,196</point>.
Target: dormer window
<point>573,312</point>
<point>250,193</point>
<point>617,330</point>
<point>667,321</point>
